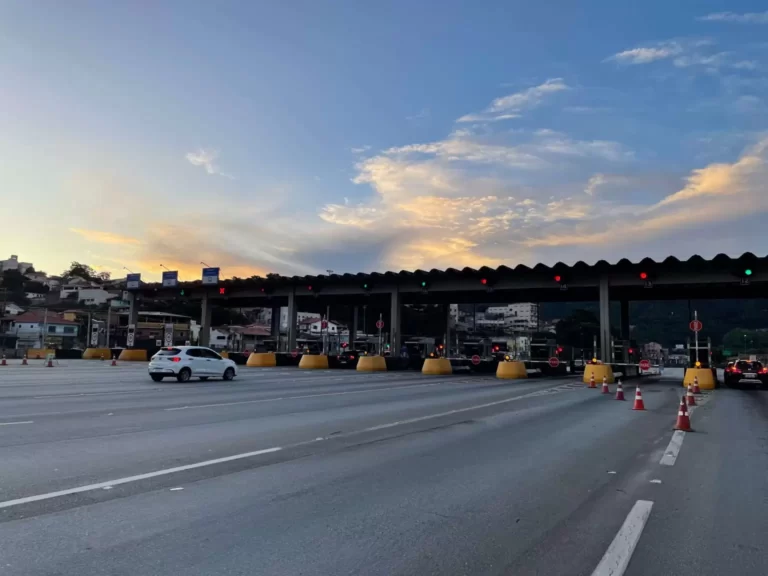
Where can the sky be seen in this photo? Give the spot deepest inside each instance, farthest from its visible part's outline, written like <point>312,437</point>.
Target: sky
<point>305,136</point>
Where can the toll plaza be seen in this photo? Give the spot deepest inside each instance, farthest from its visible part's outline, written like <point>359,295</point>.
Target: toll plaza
<point>384,295</point>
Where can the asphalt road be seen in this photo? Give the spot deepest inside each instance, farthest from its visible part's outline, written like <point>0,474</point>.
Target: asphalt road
<point>103,471</point>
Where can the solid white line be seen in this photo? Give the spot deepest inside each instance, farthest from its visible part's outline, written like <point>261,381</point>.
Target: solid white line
<point>673,449</point>
<point>12,423</point>
<point>616,558</point>
<point>298,397</point>
<point>110,483</point>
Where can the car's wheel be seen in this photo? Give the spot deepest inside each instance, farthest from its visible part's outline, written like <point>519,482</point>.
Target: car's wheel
<point>156,377</point>
<point>203,378</point>
<point>229,373</point>
<point>184,375</point>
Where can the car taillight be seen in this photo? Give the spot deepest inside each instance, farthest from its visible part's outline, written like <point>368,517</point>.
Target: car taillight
<point>175,359</point>
<point>763,370</point>
<point>735,370</point>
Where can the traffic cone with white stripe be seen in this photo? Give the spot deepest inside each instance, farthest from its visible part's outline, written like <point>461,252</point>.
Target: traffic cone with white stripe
<point>689,397</point>
<point>3,362</point>
<point>114,360</point>
<point>639,404</point>
<point>49,364</point>
<point>24,361</point>
<point>696,389</point>
<point>592,381</point>
<point>683,421</point>
<point>619,391</point>
<point>605,390</point>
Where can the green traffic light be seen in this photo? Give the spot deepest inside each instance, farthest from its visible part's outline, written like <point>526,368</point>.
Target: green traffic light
<point>748,272</point>
<point>423,284</point>
<point>365,286</point>
<point>182,292</point>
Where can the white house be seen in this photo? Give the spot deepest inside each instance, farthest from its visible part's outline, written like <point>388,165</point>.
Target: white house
<point>38,329</point>
<point>87,292</point>
<point>13,309</point>
<point>316,327</point>
<point>13,264</point>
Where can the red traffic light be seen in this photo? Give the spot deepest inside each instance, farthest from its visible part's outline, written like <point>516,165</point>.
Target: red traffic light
<point>309,287</point>
<point>222,290</point>
<point>644,275</point>
<point>484,281</point>
<point>631,351</point>
<point>495,348</point>
<point>559,349</point>
<point>558,278</point>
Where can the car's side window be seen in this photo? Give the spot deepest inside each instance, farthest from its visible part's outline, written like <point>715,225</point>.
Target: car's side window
<point>210,354</point>
<point>194,352</point>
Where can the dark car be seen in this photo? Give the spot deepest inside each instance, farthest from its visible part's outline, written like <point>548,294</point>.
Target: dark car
<point>348,358</point>
<point>747,372</point>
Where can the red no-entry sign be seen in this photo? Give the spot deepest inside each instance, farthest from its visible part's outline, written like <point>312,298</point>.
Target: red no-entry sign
<point>696,325</point>
<point>380,324</point>
<point>324,324</point>
<point>475,359</point>
<point>554,362</point>
<point>645,364</point>
<point>294,353</point>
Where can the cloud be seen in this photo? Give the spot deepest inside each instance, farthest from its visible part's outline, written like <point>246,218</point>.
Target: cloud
<point>746,18</point>
<point>511,106</point>
<point>423,113</point>
<point>207,159</point>
<point>360,149</point>
<point>645,55</point>
<point>105,237</point>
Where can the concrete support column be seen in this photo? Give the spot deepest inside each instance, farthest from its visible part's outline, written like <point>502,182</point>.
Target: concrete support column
<point>353,329</point>
<point>394,321</point>
<point>292,319</point>
<point>447,316</point>
<point>205,322</point>
<point>605,320</point>
<point>274,326</point>
<point>625,319</point>
<point>133,311</point>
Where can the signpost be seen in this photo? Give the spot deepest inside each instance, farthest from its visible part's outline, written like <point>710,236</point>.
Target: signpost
<point>554,362</point>
<point>130,337</point>
<point>168,336</point>
<point>94,335</point>
<point>380,325</point>
<point>696,326</point>
<point>133,281</point>
<point>170,279</point>
<point>645,365</point>
<point>210,276</point>
<point>475,359</point>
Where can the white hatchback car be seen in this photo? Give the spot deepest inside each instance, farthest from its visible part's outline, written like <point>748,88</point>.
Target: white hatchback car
<point>185,362</point>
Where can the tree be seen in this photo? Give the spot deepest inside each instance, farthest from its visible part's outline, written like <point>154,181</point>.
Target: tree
<point>740,340</point>
<point>78,270</point>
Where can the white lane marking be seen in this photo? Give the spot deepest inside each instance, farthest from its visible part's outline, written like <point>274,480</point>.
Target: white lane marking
<point>298,397</point>
<point>611,471</point>
<point>655,481</point>
<point>118,481</point>
<point>13,423</point>
<point>175,489</point>
<point>673,449</point>
<point>616,558</point>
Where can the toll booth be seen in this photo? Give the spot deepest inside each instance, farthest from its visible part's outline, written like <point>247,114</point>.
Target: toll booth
<point>625,355</point>
<point>471,348</point>
<point>544,348</point>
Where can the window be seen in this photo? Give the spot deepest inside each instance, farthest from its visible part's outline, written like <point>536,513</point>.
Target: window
<point>195,353</point>
<point>209,354</point>
<point>69,329</point>
<point>171,352</point>
<point>51,329</point>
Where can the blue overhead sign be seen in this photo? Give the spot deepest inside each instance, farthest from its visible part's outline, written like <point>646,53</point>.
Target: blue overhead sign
<point>132,281</point>
<point>170,279</point>
<point>210,275</point>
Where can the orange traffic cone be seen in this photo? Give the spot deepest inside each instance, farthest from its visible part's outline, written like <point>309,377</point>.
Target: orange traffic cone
<point>689,397</point>
<point>24,361</point>
<point>683,421</point>
<point>50,363</point>
<point>3,362</point>
<point>696,389</point>
<point>102,357</point>
<point>606,390</point>
<point>114,360</point>
<point>639,404</point>
<point>619,391</point>
<point>592,381</point>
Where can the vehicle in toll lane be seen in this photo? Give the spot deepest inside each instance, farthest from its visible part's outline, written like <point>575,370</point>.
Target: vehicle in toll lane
<point>749,372</point>
<point>185,362</point>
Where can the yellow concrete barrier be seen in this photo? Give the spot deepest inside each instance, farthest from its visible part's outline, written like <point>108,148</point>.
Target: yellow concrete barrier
<point>314,362</point>
<point>706,379</point>
<point>97,354</point>
<point>371,364</point>
<point>437,366</point>
<point>511,370</point>
<point>262,360</point>
<point>133,355</point>
<point>599,371</point>
<point>39,353</point>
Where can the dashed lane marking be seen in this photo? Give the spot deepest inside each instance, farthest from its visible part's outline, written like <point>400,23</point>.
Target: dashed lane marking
<point>676,443</point>
<point>617,557</point>
<point>14,423</point>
